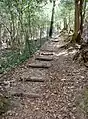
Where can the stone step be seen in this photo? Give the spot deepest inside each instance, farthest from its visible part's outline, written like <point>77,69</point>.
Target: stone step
<point>48,50</point>
<point>44,58</point>
<point>32,79</point>
<point>56,40</point>
<point>39,65</point>
<point>46,53</point>
<point>25,95</point>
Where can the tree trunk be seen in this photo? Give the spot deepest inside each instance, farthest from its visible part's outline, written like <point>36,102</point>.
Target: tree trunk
<point>76,17</point>
<point>40,36</point>
<point>65,24</point>
<point>0,35</point>
<point>78,21</point>
<point>81,16</point>
<point>84,9</point>
<point>52,20</point>
<point>69,27</point>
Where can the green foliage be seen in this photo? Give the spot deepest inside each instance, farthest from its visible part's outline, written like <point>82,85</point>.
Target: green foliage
<point>13,58</point>
<point>65,13</point>
<point>21,22</point>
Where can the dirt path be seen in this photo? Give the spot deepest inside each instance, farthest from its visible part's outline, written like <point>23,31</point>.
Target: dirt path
<point>48,87</point>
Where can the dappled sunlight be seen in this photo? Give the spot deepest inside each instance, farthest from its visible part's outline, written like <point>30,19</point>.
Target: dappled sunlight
<point>65,53</point>
<point>73,52</point>
<point>61,53</point>
<point>58,45</point>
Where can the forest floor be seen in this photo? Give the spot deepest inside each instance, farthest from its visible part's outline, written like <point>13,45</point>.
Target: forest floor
<point>48,89</point>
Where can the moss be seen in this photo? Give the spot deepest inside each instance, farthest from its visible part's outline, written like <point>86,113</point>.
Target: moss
<point>4,104</point>
<point>84,102</point>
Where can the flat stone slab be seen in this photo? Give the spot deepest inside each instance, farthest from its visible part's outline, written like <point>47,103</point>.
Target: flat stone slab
<point>44,58</point>
<point>46,53</point>
<point>32,79</point>
<point>56,40</point>
<point>47,50</point>
<point>39,65</point>
<point>25,95</point>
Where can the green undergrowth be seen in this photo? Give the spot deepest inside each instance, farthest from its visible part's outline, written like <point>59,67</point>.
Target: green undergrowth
<point>83,103</point>
<point>12,58</point>
<point>4,104</point>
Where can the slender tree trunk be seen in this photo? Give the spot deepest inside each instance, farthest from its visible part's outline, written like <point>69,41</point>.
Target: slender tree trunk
<point>65,24</point>
<point>84,9</point>
<point>52,20</point>
<point>47,32</point>
<point>0,34</point>
<point>81,16</point>
<point>12,25</point>
<point>76,17</point>
<point>69,27</point>
<point>78,20</point>
<point>76,35</point>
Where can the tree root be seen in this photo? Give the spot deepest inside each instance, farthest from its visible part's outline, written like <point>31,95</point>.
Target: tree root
<point>82,54</point>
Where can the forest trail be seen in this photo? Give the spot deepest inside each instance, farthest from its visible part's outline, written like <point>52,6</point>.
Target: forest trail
<point>47,86</point>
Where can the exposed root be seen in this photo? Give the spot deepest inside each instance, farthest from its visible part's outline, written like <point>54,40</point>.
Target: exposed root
<point>82,54</point>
